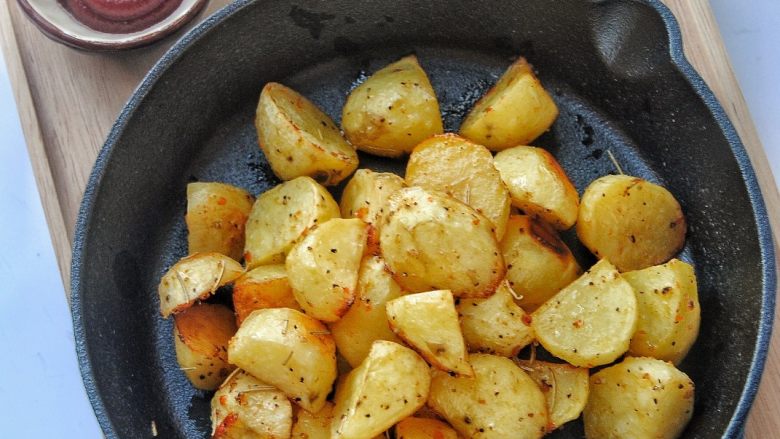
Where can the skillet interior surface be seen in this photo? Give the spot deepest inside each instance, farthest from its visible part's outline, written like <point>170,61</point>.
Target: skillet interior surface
<point>614,68</point>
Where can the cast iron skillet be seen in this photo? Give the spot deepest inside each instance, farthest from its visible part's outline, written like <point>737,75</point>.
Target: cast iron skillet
<point>615,68</point>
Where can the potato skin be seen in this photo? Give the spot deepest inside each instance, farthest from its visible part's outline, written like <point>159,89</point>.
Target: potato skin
<point>194,278</point>
<point>641,398</point>
<point>299,139</point>
<point>565,388</point>
<point>201,335</point>
<point>463,170</point>
<point>515,111</point>
<point>366,194</point>
<point>216,216</point>
<point>266,286</point>
<point>424,428</point>
<point>632,222</point>
<point>393,110</point>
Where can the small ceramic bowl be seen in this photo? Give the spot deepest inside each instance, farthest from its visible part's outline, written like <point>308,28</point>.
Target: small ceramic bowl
<point>58,24</point>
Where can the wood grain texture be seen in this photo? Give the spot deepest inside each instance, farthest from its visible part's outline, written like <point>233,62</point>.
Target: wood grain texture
<point>68,101</point>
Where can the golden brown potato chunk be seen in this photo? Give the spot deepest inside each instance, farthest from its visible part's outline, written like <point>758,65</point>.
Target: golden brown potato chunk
<point>515,111</point>
<point>366,194</point>
<point>194,278</point>
<point>632,222</point>
<point>538,185</point>
<point>201,335</point>
<point>640,398</point>
<point>464,170</point>
<point>538,263</point>
<point>216,216</point>
<point>424,428</point>
<point>264,287</point>
<point>565,388</point>
<point>299,139</point>
<point>669,311</point>
<point>392,111</point>
<point>313,425</point>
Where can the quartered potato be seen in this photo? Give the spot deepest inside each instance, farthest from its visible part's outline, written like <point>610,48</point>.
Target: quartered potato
<point>632,222</point>
<point>538,263</point>
<point>366,194</point>
<point>500,401</point>
<point>538,185</point>
<point>323,267</point>
<point>281,215</point>
<point>392,111</point>
<point>194,278</point>
<point>289,350</point>
<point>366,320</point>
<point>424,428</point>
<point>299,139</point>
<point>428,322</point>
<point>591,321</point>
<point>431,241</point>
<point>495,325</point>
<point>247,408</point>
<point>565,388</point>
<point>264,287</point>
<point>464,170</point>
<point>216,216</point>
<point>201,334</point>
<point>515,111</point>
<point>669,311</point>
<point>389,385</point>
<point>639,398</point>
<point>313,425</point>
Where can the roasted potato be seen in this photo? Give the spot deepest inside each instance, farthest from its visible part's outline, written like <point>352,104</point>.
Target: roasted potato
<point>389,385</point>
<point>366,193</point>
<point>565,388</point>
<point>216,216</point>
<point>247,408</point>
<point>194,278</point>
<point>538,263</point>
<point>431,241</point>
<point>500,401</point>
<point>423,428</point>
<point>669,311</point>
<point>201,334</point>
<point>313,425</point>
<point>515,111</point>
<point>264,287</point>
<point>428,322</point>
<point>639,398</point>
<point>464,170</point>
<point>298,139</point>
<point>281,215</point>
<point>392,111</point>
<point>538,185</point>
<point>323,267</point>
<point>289,350</point>
<point>495,325</point>
<point>632,222</point>
<point>591,321</point>
<point>366,320</point>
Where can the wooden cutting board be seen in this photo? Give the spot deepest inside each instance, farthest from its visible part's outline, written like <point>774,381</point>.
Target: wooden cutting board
<point>69,99</point>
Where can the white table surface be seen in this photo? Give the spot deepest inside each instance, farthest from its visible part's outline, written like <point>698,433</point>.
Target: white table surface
<point>40,385</point>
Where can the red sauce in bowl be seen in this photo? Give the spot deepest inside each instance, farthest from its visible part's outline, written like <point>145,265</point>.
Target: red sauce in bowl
<point>120,16</point>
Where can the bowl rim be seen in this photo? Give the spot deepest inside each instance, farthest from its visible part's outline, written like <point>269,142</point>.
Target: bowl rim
<point>735,427</point>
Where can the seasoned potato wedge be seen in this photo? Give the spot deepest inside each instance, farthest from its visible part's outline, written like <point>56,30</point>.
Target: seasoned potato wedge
<point>669,312</point>
<point>389,385</point>
<point>313,425</point>
<point>591,321</point>
<point>366,320</point>
<point>500,401</point>
<point>299,139</point>
<point>538,263</point>
<point>264,287</point>
<point>289,350</point>
<point>515,111</point>
<point>565,388</point>
<point>366,193</point>
<point>281,215</point>
<point>216,216</point>
<point>428,322</point>
<point>194,278</point>
<point>431,241</point>
<point>392,111</point>
<point>424,428</point>
<point>632,222</point>
<point>640,398</point>
<point>464,170</point>
<point>247,408</point>
<point>495,325</point>
<point>538,185</point>
<point>323,267</point>
<point>201,334</point>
